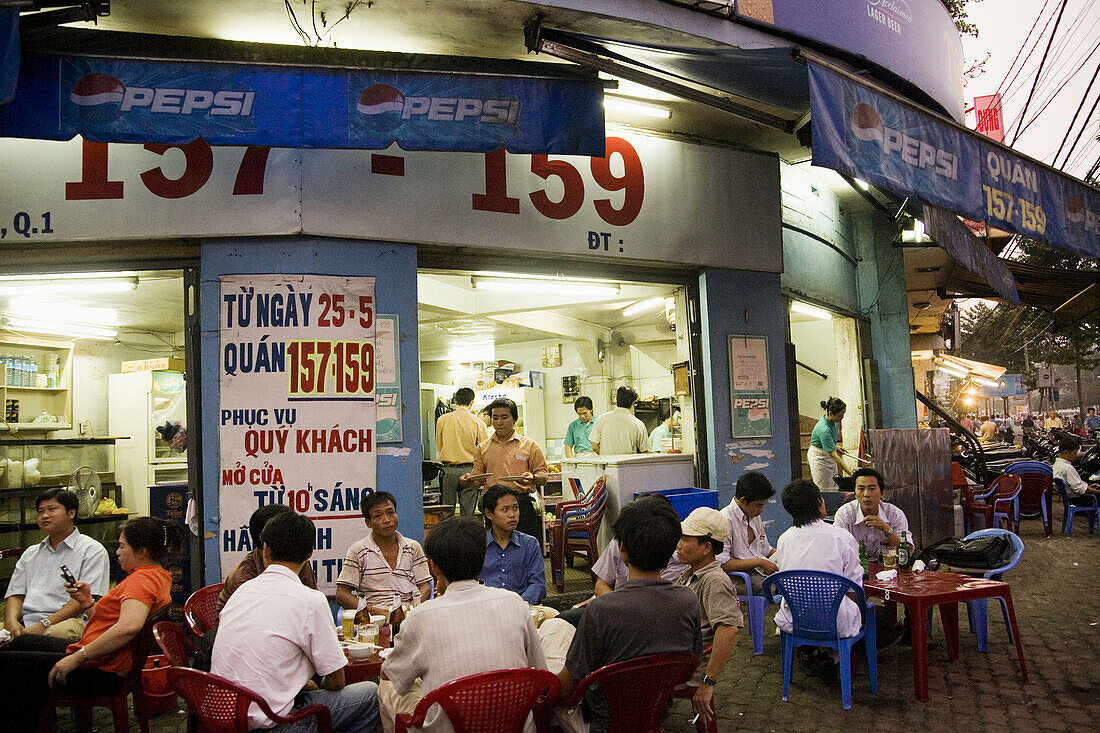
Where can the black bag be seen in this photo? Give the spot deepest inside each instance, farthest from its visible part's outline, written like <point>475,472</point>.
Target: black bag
<point>980,553</point>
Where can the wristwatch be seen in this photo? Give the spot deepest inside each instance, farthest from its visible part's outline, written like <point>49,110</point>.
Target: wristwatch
<point>45,623</point>
<point>708,680</point>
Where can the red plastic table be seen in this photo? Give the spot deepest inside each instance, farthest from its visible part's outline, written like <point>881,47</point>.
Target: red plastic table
<point>918,592</point>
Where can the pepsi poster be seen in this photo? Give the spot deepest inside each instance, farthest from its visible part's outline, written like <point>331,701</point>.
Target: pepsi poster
<point>116,100</point>
<point>867,135</point>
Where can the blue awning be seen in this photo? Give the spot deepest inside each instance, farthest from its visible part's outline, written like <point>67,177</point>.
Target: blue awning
<point>9,53</point>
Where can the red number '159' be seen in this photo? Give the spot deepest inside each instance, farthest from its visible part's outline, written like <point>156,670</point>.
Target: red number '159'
<point>94,183</point>
<point>631,183</point>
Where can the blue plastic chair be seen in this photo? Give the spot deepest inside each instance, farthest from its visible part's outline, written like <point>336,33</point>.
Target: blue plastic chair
<point>1090,509</point>
<point>977,612</point>
<point>757,606</point>
<point>814,597</point>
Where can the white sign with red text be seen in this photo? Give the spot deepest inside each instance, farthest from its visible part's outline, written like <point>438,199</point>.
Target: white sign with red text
<point>650,199</point>
<point>296,417</point>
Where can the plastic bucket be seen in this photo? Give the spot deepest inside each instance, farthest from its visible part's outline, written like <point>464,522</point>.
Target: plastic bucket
<point>159,696</point>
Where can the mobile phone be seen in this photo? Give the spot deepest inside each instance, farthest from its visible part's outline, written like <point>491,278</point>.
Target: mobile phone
<point>69,579</point>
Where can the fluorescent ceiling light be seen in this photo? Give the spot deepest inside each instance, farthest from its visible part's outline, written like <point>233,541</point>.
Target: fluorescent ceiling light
<point>641,91</point>
<point>35,309</point>
<point>642,306</point>
<point>57,328</point>
<point>862,184</point>
<point>66,286</point>
<point>626,106</point>
<point>71,276</point>
<point>539,285</point>
<point>811,310</point>
<point>952,371</point>
<point>467,352</point>
<point>984,382</point>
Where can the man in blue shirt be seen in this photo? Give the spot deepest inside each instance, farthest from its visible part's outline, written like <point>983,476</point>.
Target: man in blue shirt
<point>1092,422</point>
<point>576,435</point>
<point>513,560</point>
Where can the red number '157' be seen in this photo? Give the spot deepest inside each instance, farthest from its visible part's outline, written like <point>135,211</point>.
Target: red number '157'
<point>94,183</point>
<point>631,183</point>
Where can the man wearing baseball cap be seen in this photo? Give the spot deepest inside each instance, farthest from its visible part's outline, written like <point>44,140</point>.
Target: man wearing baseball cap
<point>703,534</point>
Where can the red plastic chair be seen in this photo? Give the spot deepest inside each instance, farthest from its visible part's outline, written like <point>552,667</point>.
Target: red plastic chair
<point>576,531</point>
<point>174,643</point>
<point>583,501</point>
<point>14,552</point>
<point>222,706</point>
<point>1001,500</point>
<point>201,609</point>
<point>140,647</point>
<point>637,690</point>
<point>490,702</point>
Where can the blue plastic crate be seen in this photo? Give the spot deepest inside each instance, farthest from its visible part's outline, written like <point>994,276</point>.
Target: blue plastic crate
<point>685,500</point>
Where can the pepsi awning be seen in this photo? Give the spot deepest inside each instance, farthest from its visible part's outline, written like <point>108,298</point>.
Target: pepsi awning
<point>9,53</point>
<point>176,101</point>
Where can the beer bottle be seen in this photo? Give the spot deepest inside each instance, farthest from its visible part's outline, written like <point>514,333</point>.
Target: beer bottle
<point>905,550</point>
<point>863,559</point>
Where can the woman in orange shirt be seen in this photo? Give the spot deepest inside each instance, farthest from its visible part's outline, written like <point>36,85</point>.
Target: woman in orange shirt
<point>96,664</point>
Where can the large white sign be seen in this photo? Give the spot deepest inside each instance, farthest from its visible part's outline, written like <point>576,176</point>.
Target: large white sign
<point>296,415</point>
<point>650,199</point>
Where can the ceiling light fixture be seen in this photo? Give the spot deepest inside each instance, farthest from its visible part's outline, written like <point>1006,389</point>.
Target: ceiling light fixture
<point>643,305</point>
<point>58,328</point>
<point>69,286</point>
<point>629,88</point>
<point>810,310</point>
<point>952,371</point>
<point>862,184</point>
<point>539,285</point>
<point>627,106</point>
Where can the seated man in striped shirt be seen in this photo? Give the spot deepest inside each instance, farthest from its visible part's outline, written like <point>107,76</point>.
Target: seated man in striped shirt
<point>383,566</point>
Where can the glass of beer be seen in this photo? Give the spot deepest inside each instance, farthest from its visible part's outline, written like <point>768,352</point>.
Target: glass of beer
<point>368,634</point>
<point>890,557</point>
<point>347,619</point>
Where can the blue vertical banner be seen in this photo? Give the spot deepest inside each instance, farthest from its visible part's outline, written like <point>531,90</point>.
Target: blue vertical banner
<point>861,132</point>
<point>9,53</point>
<point>169,102</point>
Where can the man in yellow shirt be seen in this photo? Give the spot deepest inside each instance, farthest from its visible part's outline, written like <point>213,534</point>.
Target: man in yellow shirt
<point>457,435</point>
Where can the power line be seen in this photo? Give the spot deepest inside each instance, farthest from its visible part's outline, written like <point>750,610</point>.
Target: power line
<point>1039,73</point>
<point>1022,47</point>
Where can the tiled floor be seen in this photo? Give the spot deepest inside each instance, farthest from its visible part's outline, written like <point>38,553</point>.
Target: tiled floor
<point>1056,590</point>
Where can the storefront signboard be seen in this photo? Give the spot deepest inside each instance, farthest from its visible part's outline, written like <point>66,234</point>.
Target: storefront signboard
<point>387,379</point>
<point>9,53</point>
<point>651,199</point>
<point>866,134</point>
<point>296,408</point>
<point>175,102</point>
<point>750,393</point>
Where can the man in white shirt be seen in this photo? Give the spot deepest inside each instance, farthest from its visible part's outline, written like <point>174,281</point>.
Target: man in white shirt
<point>813,544</point>
<point>274,635</point>
<point>871,519</point>
<point>746,544</point>
<point>37,602</point>
<point>470,629</point>
<point>618,431</point>
<point>1076,487</point>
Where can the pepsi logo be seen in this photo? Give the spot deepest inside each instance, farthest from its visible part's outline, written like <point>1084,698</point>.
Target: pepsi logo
<point>867,125</point>
<point>385,107</point>
<point>866,122</point>
<point>96,89</point>
<point>378,99</point>
<point>1075,210</point>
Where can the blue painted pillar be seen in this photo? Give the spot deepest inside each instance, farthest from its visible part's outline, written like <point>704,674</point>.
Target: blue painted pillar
<point>735,302</point>
<point>394,267</point>
<point>882,296</point>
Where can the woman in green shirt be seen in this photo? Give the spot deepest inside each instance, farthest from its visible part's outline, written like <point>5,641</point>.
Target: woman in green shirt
<point>824,455</point>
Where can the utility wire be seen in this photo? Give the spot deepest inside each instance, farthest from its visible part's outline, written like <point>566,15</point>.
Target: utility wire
<point>1039,73</point>
<point>1054,95</point>
<point>1022,47</point>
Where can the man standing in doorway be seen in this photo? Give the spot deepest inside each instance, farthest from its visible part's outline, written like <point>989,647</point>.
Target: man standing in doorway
<point>578,432</point>
<point>618,431</point>
<point>457,435</point>
<point>512,460</point>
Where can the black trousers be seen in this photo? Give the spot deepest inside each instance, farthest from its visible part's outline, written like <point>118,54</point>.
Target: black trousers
<point>25,666</point>
<point>530,522</point>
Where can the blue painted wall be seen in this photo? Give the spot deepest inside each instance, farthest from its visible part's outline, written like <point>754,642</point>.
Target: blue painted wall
<point>394,266</point>
<point>817,271</point>
<point>737,302</point>
<point>884,299</point>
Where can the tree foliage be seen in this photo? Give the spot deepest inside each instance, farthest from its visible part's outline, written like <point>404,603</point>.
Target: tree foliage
<point>957,8</point>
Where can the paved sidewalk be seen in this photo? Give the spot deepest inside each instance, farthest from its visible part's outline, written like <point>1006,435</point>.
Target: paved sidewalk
<point>1058,580</point>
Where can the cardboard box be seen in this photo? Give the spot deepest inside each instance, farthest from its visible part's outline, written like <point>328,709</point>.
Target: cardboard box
<point>171,363</point>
